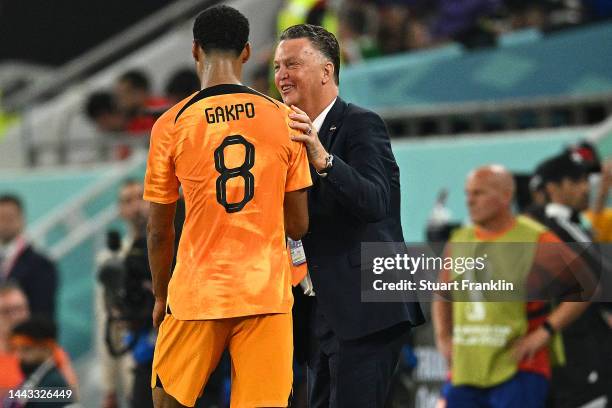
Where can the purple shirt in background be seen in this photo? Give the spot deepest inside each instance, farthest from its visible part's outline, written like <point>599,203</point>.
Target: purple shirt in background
<point>457,16</point>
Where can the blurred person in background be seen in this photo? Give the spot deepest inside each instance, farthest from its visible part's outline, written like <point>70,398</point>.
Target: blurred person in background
<point>538,198</point>
<point>13,311</point>
<point>405,25</point>
<point>126,375</point>
<point>526,14</point>
<point>600,213</point>
<point>514,369</point>
<point>317,12</point>
<point>600,178</point>
<point>261,79</point>
<point>20,262</point>
<point>101,108</point>
<point>587,374</point>
<point>181,84</point>
<point>466,21</point>
<point>137,102</point>
<point>35,344</point>
<point>357,42</point>
<point>392,28</point>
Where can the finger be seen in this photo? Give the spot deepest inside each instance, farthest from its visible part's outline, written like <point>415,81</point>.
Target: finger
<point>300,138</point>
<point>300,126</point>
<point>298,110</point>
<point>300,117</point>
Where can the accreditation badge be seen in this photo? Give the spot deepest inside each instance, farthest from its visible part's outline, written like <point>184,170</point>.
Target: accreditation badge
<point>298,256</point>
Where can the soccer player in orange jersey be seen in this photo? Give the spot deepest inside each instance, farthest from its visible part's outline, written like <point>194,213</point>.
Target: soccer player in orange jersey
<point>244,181</point>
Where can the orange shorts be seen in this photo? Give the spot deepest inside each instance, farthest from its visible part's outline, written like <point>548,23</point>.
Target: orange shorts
<point>261,350</point>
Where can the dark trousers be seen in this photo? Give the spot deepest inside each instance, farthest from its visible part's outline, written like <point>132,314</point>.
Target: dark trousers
<point>353,373</point>
<point>141,389</point>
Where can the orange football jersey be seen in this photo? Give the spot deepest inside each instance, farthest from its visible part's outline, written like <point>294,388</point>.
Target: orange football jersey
<point>229,148</point>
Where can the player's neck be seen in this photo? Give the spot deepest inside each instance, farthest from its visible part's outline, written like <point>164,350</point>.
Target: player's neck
<point>218,71</point>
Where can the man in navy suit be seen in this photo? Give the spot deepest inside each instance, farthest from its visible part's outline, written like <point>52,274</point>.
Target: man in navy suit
<point>20,262</point>
<point>352,346</point>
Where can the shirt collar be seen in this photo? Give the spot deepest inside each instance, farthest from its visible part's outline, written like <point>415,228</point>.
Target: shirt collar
<point>318,122</point>
<point>9,249</point>
<point>556,210</point>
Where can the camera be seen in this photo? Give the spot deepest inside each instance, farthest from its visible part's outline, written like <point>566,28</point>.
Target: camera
<point>128,298</point>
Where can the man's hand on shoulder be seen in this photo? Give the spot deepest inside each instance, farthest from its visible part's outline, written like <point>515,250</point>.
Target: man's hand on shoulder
<point>316,152</point>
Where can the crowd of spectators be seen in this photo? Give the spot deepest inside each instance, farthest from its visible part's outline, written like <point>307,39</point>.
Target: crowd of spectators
<point>28,286</point>
<point>131,107</point>
<point>371,28</point>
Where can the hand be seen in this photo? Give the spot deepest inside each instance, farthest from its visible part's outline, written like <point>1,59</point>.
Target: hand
<point>159,312</point>
<point>527,346</point>
<point>315,150</point>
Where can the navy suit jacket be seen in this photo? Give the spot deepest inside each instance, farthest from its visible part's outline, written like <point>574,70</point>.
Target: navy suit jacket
<point>358,201</point>
<point>37,277</point>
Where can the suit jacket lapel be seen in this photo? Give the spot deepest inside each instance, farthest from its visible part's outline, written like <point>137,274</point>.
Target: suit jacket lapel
<point>332,122</point>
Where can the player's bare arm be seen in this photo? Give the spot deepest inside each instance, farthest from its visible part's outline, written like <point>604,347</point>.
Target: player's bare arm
<point>160,244</point>
<point>296,213</point>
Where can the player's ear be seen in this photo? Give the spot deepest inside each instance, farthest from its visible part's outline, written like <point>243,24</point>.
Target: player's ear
<point>246,53</point>
<point>194,51</point>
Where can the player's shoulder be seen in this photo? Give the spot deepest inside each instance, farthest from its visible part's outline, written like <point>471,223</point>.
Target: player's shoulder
<point>276,107</point>
<point>265,99</point>
<point>168,118</point>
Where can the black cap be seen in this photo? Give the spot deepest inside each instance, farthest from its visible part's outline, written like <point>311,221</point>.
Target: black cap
<point>588,153</point>
<point>563,166</point>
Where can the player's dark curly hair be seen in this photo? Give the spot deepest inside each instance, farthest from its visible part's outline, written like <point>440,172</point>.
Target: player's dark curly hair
<point>321,39</point>
<point>221,28</point>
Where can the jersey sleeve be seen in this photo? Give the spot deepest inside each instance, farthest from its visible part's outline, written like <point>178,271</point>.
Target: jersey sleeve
<point>161,184</point>
<point>298,175</point>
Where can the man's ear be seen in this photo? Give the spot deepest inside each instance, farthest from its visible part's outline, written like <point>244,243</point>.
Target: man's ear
<point>328,72</point>
<point>194,51</point>
<point>246,53</point>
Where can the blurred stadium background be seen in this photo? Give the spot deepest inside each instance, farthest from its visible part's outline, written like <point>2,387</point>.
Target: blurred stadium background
<point>460,84</point>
